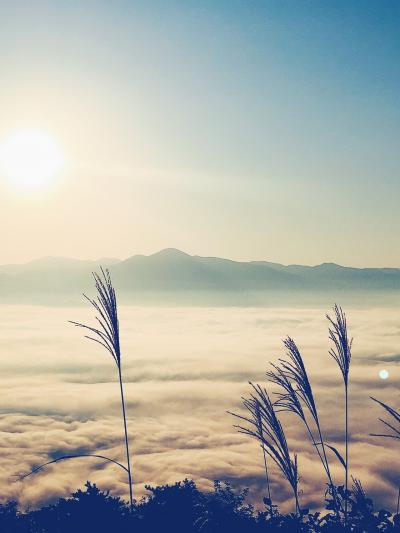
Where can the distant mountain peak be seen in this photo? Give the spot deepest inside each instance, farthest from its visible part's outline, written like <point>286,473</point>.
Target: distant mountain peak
<point>170,252</point>
<point>329,265</point>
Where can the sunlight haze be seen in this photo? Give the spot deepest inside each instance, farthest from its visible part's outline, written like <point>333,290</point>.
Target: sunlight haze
<point>246,130</point>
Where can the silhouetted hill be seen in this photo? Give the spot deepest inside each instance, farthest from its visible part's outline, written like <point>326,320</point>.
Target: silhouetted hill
<point>173,274</point>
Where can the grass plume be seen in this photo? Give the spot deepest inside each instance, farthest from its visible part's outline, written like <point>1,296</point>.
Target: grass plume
<point>341,353</point>
<point>264,425</point>
<point>107,335</point>
<point>295,391</point>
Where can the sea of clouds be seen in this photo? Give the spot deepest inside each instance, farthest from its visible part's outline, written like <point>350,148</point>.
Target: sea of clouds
<point>184,368</point>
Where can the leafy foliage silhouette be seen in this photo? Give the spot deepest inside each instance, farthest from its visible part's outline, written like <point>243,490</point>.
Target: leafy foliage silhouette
<point>183,508</point>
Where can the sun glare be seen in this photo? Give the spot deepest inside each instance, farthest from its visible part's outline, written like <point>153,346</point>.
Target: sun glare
<point>30,158</point>
<point>383,374</point>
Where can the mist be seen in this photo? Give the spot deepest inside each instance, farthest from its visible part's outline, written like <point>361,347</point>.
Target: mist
<point>184,368</point>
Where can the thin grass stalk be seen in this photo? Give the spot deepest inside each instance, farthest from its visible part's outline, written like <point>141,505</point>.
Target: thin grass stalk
<point>341,353</point>
<point>398,501</point>
<point>296,491</point>
<point>346,388</point>
<point>267,478</point>
<point>128,461</point>
<point>260,428</point>
<point>67,457</point>
<point>107,335</point>
<point>328,472</point>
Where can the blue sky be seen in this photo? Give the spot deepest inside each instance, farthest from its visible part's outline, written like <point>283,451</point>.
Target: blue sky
<point>252,130</point>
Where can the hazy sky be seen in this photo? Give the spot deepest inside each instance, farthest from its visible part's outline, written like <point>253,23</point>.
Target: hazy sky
<point>244,129</point>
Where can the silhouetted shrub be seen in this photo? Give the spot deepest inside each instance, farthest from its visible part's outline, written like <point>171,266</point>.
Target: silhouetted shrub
<point>86,511</point>
<point>179,504</point>
<point>10,518</point>
<point>183,508</point>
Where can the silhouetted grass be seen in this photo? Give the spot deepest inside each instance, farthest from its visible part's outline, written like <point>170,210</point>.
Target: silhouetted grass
<point>395,431</point>
<point>295,395</point>
<point>258,418</point>
<point>264,425</point>
<point>295,391</point>
<point>107,335</point>
<point>396,417</point>
<point>341,353</point>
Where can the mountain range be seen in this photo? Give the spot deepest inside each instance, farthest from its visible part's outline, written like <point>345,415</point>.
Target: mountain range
<point>172,275</point>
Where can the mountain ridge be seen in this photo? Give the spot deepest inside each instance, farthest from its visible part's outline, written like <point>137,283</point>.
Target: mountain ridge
<point>172,252</point>
<point>173,272</point>
<point>175,252</point>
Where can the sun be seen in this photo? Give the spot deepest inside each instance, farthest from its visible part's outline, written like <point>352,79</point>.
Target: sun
<point>30,158</point>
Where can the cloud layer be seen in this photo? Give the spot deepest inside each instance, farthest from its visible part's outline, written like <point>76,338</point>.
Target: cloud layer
<point>184,368</point>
